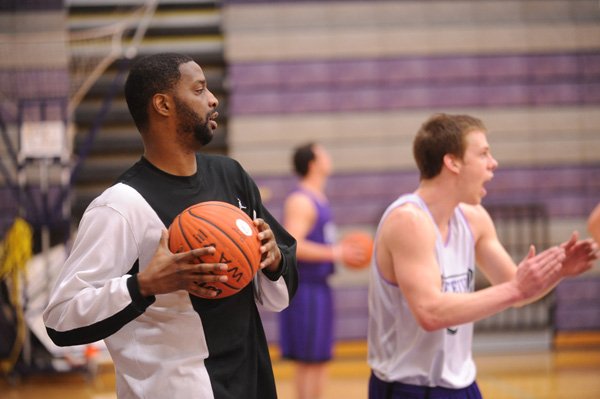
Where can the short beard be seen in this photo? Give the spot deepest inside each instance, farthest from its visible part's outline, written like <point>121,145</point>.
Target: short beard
<point>189,122</point>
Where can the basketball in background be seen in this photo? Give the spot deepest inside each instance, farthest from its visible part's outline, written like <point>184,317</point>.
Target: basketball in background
<point>363,241</point>
<point>230,231</point>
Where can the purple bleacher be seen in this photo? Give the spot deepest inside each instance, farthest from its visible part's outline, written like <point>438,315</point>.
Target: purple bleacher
<point>35,83</point>
<point>417,70</point>
<point>50,85</point>
<point>578,304</point>
<point>415,82</point>
<point>360,198</point>
<point>33,5</point>
<point>409,98</point>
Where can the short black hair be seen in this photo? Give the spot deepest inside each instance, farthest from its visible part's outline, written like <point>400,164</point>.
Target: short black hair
<point>303,155</point>
<point>157,73</point>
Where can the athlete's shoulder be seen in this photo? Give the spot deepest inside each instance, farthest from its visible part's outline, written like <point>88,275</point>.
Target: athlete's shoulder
<point>404,226</point>
<point>405,220</point>
<point>121,205</point>
<point>408,214</point>
<point>406,207</point>
<point>298,200</point>
<point>119,196</point>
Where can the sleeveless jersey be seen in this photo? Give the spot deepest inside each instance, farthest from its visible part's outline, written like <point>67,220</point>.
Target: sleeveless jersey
<point>399,349</point>
<point>323,232</point>
<point>306,326</point>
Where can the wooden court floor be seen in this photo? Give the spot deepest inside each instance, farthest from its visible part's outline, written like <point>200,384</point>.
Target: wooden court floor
<point>571,371</point>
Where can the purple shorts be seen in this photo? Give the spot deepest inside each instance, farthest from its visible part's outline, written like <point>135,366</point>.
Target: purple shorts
<point>379,389</point>
<point>306,326</point>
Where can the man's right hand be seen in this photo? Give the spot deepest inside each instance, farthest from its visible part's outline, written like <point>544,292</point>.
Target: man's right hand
<point>168,272</point>
<point>537,273</point>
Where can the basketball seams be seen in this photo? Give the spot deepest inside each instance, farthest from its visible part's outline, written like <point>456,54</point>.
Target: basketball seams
<point>229,237</point>
<point>244,216</point>
<point>181,231</point>
<point>220,224</point>
<point>224,236</point>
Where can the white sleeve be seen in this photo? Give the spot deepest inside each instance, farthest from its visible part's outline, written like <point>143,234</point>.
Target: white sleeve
<point>272,295</point>
<point>271,290</point>
<point>93,297</point>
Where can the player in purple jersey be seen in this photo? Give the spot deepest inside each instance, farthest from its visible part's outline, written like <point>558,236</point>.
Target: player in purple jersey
<point>306,327</point>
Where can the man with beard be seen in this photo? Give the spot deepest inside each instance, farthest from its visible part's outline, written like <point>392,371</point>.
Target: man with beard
<point>422,303</point>
<point>121,283</point>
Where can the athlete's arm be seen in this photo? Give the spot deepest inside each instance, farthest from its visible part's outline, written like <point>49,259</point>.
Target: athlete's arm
<point>492,258</point>
<point>96,292</point>
<point>99,289</point>
<point>408,237</point>
<point>300,215</point>
<point>593,223</point>
<point>497,265</point>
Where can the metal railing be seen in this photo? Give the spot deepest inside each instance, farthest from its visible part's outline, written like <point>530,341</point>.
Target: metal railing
<point>518,226</point>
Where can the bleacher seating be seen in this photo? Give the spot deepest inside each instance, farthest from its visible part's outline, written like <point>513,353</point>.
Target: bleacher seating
<point>187,27</point>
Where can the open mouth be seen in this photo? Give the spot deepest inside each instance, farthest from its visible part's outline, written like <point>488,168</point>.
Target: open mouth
<point>212,120</point>
<point>485,182</point>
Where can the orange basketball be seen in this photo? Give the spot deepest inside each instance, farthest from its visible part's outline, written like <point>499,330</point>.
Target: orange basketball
<point>230,231</point>
<point>363,241</point>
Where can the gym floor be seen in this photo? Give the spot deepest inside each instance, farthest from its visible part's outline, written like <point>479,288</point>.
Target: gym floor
<point>570,371</point>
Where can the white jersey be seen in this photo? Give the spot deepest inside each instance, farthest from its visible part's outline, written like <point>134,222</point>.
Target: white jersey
<point>399,349</point>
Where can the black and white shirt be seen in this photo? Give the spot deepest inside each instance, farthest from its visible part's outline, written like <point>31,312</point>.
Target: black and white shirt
<point>174,345</point>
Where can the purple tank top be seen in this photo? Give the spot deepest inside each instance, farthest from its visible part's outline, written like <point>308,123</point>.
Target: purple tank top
<point>323,232</point>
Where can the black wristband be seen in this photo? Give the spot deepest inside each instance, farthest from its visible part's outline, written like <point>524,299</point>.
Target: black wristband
<point>274,276</point>
<point>139,301</point>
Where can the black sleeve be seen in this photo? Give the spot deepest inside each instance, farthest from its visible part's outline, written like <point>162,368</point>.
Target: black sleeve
<point>286,243</point>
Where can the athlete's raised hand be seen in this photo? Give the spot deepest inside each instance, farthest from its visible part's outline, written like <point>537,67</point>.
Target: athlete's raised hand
<point>579,255</point>
<point>537,273</point>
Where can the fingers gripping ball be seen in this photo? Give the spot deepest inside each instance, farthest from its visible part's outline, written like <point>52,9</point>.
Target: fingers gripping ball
<point>362,241</point>
<point>230,231</point>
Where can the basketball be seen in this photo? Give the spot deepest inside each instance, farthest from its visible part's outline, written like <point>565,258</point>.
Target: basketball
<point>230,231</point>
<point>363,241</point>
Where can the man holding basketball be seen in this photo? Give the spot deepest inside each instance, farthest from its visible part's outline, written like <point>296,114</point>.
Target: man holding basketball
<point>306,326</point>
<point>422,303</point>
<point>122,284</point>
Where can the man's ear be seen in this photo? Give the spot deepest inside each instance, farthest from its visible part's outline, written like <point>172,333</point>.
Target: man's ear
<point>161,103</point>
<point>452,163</point>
